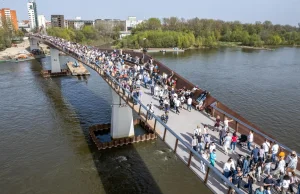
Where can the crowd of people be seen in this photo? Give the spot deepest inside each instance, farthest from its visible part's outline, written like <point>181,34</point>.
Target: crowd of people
<point>264,163</point>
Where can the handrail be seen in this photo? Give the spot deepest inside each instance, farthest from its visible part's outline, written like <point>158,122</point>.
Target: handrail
<point>215,170</point>
<point>251,128</point>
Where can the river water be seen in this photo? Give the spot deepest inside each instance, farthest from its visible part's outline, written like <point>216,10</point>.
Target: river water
<point>45,147</point>
<point>263,86</point>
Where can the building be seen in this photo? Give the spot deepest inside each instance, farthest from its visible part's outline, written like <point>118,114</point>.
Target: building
<point>58,21</point>
<point>32,14</point>
<point>132,22</point>
<point>48,24</point>
<point>24,25</point>
<point>42,21</point>
<point>10,17</point>
<point>78,23</point>
<point>109,24</point>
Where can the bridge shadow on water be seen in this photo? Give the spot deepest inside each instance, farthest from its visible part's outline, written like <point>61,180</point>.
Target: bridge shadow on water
<point>122,169</point>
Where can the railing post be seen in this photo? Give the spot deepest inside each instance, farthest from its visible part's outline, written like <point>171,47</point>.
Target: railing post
<point>164,137</point>
<point>236,126</point>
<point>206,175</point>
<point>154,125</point>
<point>176,143</point>
<point>190,159</point>
<point>229,190</point>
<point>223,117</point>
<point>147,116</point>
<point>213,112</point>
<point>140,109</point>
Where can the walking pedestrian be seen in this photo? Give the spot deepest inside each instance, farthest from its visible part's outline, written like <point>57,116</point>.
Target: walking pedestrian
<point>250,140</point>
<point>189,104</point>
<point>195,143</point>
<point>227,141</point>
<point>213,157</point>
<point>233,142</point>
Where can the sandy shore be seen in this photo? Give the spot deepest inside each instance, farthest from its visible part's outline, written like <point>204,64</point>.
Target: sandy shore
<point>13,52</point>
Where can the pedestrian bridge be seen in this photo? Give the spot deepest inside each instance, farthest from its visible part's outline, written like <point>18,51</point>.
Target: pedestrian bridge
<point>177,133</point>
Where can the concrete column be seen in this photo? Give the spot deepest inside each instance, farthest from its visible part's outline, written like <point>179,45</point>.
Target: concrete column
<point>33,44</point>
<point>55,65</point>
<point>121,118</point>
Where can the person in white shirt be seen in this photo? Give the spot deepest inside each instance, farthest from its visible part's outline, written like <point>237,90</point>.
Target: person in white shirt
<point>197,131</point>
<point>266,147</point>
<point>205,129</point>
<point>250,140</point>
<point>189,104</point>
<point>156,90</point>
<point>212,147</point>
<point>182,100</point>
<point>274,151</point>
<point>195,143</point>
<point>228,166</point>
<point>226,123</point>
<point>202,164</point>
<point>177,104</point>
<point>285,183</point>
<point>281,166</point>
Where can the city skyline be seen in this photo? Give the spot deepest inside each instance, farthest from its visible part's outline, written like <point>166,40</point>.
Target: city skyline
<point>278,12</point>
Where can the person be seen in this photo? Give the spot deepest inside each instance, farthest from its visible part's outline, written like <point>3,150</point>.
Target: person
<point>292,162</point>
<point>234,139</point>
<point>267,165</point>
<point>150,110</point>
<point>213,157</point>
<point>189,104</point>
<point>227,141</point>
<point>267,190</point>
<point>274,150</point>
<point>217,124</point>
<point>250,181</point>
<point>182,100</point>
<point>259,170</point>
<point>266,146</point>
<point>268,181</point>
<point>294,180</point>
<point>195,143</point>
<point>228,167</point>
<point>259,190</point>
<point>222,135</point>
<point>281,166</point>
<point>156,90</point>
<point>237,177</point>
<point>246,165</point>
<point>212,146</point>
<point>261,154</point>
<point>226,123</point>
<point>250,140</point>
<point>177,104</point>
<point>197,131</point>
<point>255,154</point>
<point>285,184</point>
<point>202,164</point>
<point>205,129</point>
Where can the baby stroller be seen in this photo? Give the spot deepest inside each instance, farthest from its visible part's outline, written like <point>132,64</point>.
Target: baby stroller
<point>243,140</point>
<point>164,118</point>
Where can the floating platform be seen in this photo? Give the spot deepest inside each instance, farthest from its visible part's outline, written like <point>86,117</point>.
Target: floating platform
<point>103,129</point>
<point>77,68</point>
<point>48,73</point>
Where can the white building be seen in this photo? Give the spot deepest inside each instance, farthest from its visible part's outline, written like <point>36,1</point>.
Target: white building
<point>32,14</point>
<point>42,21</point>
<point>132,22</point>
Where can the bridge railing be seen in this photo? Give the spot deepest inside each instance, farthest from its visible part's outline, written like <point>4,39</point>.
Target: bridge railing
<point>175,142</point>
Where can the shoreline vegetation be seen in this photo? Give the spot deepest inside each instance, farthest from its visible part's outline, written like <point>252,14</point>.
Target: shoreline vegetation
<point>207,33</point>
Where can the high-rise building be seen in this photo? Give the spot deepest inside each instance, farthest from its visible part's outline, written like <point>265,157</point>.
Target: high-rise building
<point>10,17</point>
<point>42,21</point>
<point>32,14</point>
<point>132,22</point>
<point>58,21</point>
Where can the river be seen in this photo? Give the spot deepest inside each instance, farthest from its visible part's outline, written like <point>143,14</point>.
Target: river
<point>263,86</point>
<point>45,146</point>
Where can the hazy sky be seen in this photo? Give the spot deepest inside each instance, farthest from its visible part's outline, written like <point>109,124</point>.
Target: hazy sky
<point>277,11</point>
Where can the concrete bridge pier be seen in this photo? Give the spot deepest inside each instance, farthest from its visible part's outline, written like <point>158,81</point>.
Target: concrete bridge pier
<point>121,118</point>
<point>33,44</point>
<point>55,64</point>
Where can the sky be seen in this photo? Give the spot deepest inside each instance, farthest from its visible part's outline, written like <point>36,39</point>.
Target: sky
<point>246,11</point>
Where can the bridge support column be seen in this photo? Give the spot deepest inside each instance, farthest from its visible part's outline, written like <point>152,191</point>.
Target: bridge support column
<point>55,65</point>
<point>33,44</point>
<point>121,118</point>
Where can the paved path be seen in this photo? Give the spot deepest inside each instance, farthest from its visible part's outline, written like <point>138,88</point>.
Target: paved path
<point>184,124</point>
